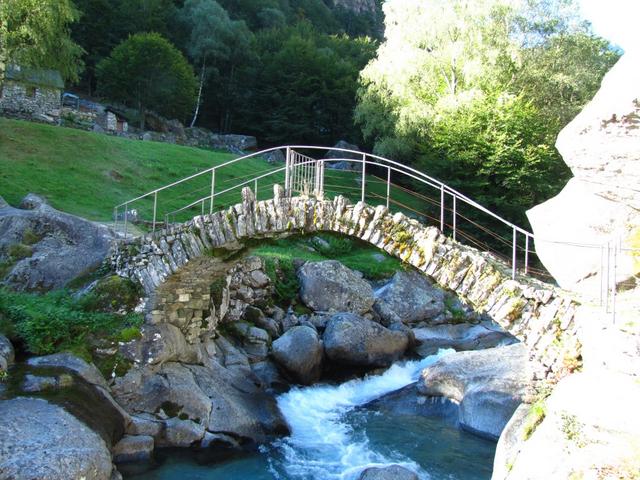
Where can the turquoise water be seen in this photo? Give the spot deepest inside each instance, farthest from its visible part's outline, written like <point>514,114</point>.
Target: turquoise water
<point>334,438</point>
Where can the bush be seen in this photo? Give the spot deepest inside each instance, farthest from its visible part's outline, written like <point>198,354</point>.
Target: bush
<point>111,294</point>
<point>285,281</point>
<point>56,321</point>
<point>18,251</point>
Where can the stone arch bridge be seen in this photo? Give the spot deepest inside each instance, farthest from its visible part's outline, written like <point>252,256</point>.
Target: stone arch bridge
<point>538,314</point>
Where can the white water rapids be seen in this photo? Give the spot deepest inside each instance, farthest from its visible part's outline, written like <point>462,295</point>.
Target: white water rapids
<point>322,446</point>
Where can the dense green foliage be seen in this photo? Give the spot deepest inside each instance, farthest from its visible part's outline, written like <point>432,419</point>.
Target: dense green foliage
<point>57,321</point>
<point>147,72</point>
<point>475,93</point>
<point>36,33</point>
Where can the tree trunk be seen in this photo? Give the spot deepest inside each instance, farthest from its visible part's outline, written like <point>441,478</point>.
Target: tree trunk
<point>195,114</point>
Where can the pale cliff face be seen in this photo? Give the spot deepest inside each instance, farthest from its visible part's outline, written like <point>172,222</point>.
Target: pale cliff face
<point>602,202</point>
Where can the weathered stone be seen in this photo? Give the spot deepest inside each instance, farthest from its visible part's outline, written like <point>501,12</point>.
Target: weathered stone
<point>159,344</point>
<point>35,383</point>
<point>392,472</point>
<point>601,202</point>
<point>410,298</point>
<point>7,354</point>
<point>353,340</point>
<point>63,246</point>
<point>488,384</point>
<point>41,440</point>
<point>181,433</point>
<point>299,352</point>
<point>133,448</point>
<point>70,362</point>
<point>330,286</point>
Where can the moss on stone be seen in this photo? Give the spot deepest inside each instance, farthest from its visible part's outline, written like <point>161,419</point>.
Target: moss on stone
<point>216,290</point>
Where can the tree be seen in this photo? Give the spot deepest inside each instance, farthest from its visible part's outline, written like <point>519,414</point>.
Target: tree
<point>476,92</point>
<point>213,38</point>
<point>147,72</point>
<point>35,33</point>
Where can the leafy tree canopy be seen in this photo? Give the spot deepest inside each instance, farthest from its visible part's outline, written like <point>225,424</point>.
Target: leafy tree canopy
<point>475,92</point>
<point>35,33</point>
<point>147,72</point>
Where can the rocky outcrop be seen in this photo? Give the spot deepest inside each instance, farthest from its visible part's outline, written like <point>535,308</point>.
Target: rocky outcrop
<point>133,448</point>
<point>344,163</point>
<point>392,472</point>
<point>48,248</point>
<point>601,202</point>
<point>352,340</point>
<point>190,400</point>
<point>300,353</point>
<point>41,440</point>
<point>460,336</point>
<point>409,297</point>
<point>7,354</point>
<point>586,431</point>
<point>330,286</point>
<point>488,385</point>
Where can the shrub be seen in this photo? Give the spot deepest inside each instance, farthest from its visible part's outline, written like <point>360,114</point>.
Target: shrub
<point>284,279</point>
<point>18,251</point>
<point>56,321</point>
<point>111,294</point>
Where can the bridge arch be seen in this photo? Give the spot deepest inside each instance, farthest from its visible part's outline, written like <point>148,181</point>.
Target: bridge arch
<point>538,314</point>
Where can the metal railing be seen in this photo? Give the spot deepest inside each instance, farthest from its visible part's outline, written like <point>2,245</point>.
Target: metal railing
<point>303,174</point>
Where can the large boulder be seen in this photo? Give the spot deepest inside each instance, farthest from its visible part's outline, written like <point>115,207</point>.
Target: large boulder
<point>299,352</point>
<point>48,248</point>
<point>191,400</point>
<point>41,440</point>
<point>587,428</point>
<point>392,472</point>
<point>601,202</point>
<point>159,344</point>
<point>353,340</point>
<point>341,158</point>
<point>409,297</point>
<point>330,286</point>
<point>68,361</point>
<point>487,384</point>
<point>460,336</point>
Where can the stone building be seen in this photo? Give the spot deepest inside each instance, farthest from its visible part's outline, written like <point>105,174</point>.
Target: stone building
<point>31,93</point>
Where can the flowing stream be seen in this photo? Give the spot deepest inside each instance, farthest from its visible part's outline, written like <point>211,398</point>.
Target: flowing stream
<point>333,439</point>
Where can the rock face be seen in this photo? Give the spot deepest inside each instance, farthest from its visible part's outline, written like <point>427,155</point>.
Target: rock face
<point>191,400</point>
<point>586,432</point>
<point>40,440</point>
<point>330,286</point>
<point>488,384</point>
<point>344,164</point>
<point>299,352</point>
<point>410,298</point>
<point>48,248</point>
<point>353,340</point>
<point>133,448</point>
<point>392,472</point>
<point>601,202</point>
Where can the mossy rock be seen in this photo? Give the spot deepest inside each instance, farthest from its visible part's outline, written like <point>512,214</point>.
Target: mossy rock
<point>111,294</point>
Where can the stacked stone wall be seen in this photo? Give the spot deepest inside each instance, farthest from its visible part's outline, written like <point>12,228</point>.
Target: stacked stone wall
<point>15,99</point>
<point>538,314</point>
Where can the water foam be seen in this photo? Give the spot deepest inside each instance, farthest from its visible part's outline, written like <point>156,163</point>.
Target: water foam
<point>322,445</point>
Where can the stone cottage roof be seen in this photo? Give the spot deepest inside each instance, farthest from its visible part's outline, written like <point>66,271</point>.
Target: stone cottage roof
<point>33,76</point>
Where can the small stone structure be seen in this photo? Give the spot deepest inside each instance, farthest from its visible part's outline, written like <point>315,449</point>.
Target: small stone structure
<point>31,93</point>
<point>536,313</point>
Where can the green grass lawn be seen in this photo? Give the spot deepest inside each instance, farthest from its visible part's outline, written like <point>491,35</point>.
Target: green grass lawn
<point>88,174</point>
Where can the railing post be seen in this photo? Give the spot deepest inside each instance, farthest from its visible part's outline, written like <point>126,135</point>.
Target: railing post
<point>126,216</point>
<point>614,287</point>
<point>601,272</point>
<point>364,164</point>
<point>255,188</point>
<point>526,254</point>
<point>388,185</point>
<point>322,178</point>
<point>442,208</point>
<point>115,219</point>
<point>287,173</point>
<point>608,283</point>
<point>514,254</point>
<point>454,217</point>
<point>155,209</point>
<point>213,189</point>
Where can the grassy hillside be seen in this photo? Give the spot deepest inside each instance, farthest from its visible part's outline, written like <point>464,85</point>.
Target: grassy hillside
<point>88,174</point>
